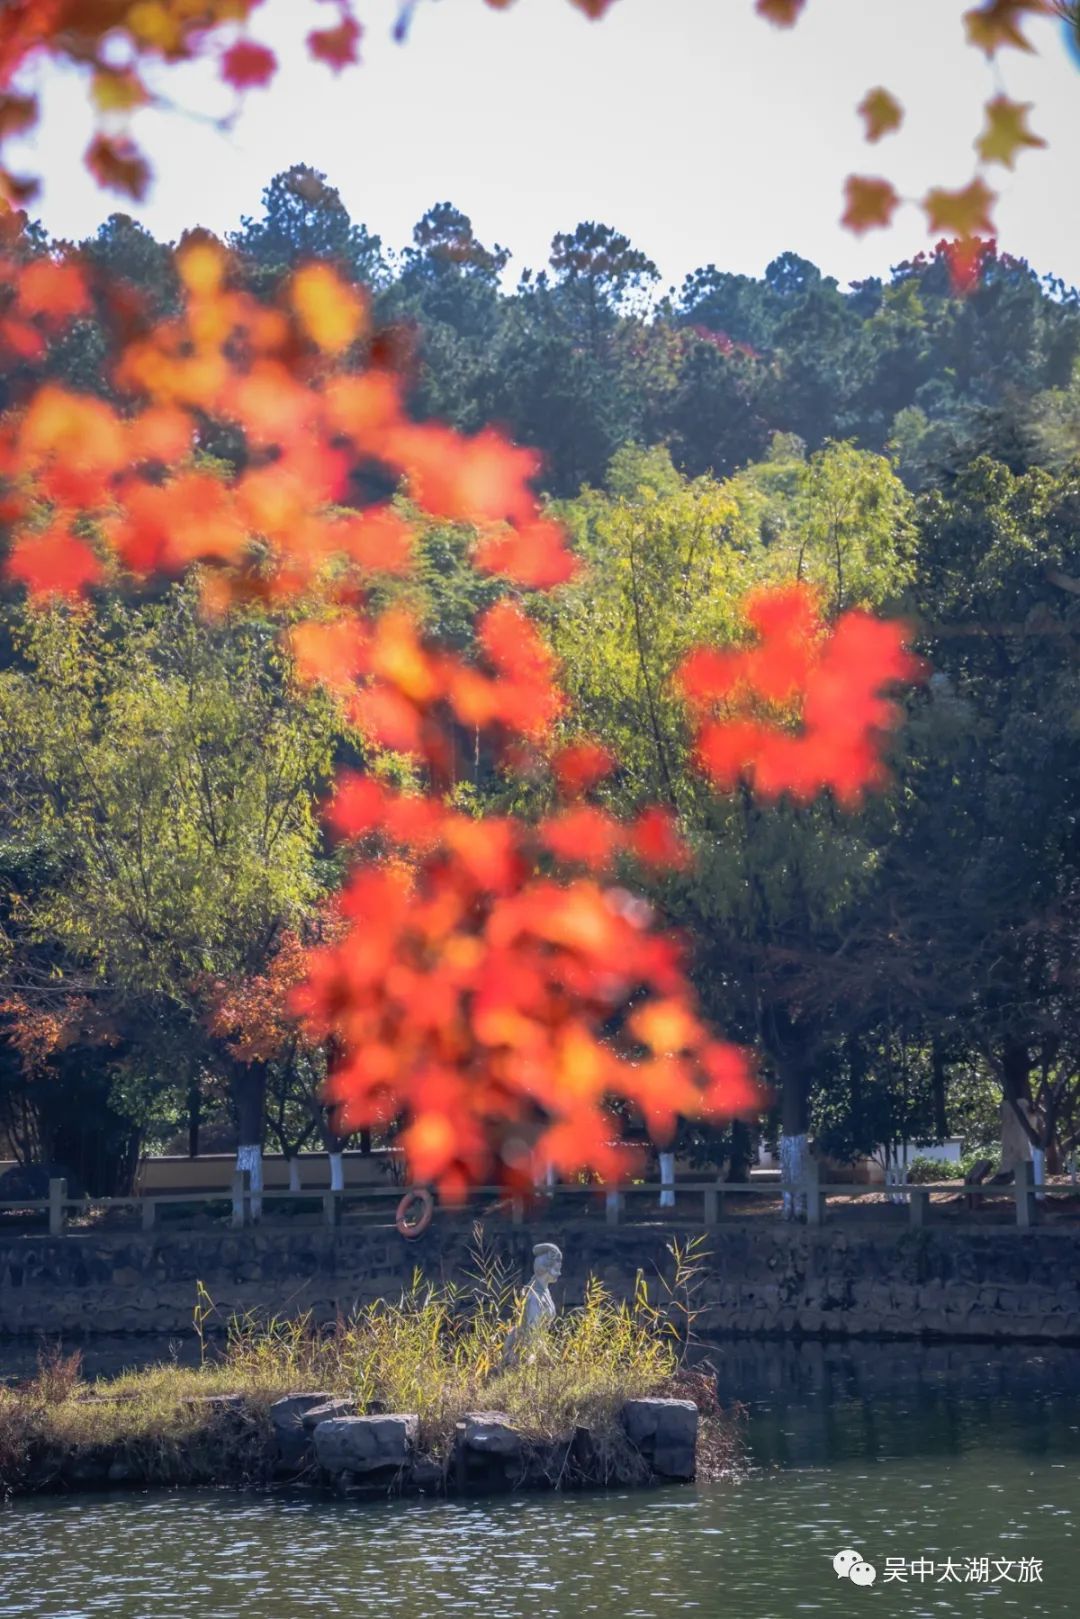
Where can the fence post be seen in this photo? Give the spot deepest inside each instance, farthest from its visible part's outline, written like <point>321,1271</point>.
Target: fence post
<point>1024,1191</point>
<point>815,1197</point>
<point>918,1205</point>
<point>241,1182</point>
<point>57,1212</point>
<point>149,1212</point>
<point>331,1203</point>
<point>712,1205</point>
<point>613,1207</point>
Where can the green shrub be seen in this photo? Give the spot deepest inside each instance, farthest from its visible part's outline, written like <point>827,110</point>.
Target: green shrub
<point>927,1171</point>
<point>970,1159</point>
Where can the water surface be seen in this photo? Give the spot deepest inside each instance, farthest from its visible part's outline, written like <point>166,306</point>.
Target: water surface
<point>922,1456</point>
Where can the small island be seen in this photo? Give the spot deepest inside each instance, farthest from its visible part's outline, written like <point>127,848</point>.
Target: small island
<point>446,1390</point>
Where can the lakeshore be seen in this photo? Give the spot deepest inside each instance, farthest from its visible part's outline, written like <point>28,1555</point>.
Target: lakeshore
<point>428,1394</point>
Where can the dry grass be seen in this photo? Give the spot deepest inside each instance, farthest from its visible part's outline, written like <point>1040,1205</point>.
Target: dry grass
<point>437,1351</point>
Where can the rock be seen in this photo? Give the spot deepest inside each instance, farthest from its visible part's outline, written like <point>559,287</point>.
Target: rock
<point>366,1444</point>
<point>427,1475</point>
<point>327,1412</point>
<point>665,1432</point>
<point>488,1433</point>
<point>214,1407</point>
<point>287,1420</point>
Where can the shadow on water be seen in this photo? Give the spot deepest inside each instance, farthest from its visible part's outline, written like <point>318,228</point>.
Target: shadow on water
<point>821,1403</point>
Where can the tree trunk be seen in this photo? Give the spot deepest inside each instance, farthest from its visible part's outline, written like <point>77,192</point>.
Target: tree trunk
<point>337,1171</point>
<point>794,1140</point>
<point>365,1143</point>
<point>857,1067</point>
<point>194,1105</point>
<point>249,1101</point>
<point>938,1076</point>
<point>741,1152</point>
<point>1016,1083</point>
<point>667,1180</point>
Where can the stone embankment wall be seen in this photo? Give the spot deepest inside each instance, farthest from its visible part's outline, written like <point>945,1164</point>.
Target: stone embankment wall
<point>778,1280</point>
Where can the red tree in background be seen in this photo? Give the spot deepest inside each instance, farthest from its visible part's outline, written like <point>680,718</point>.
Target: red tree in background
<point>496,990</point>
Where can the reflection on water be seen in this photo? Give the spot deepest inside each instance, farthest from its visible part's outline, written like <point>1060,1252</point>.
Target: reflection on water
<point>897,1452</point>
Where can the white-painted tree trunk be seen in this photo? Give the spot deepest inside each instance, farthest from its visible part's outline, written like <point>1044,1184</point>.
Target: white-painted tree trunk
<point>794,1163</point>
<point>1038,1158</point>
<point>294,1175</point>
<point>549,1177</point>
<point>337,1171</point>
<point>895,1175</point>
<point>667,1180</point>
<point>249,1157</point>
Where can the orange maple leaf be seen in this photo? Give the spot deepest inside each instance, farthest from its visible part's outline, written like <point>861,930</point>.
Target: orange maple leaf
<point>118,165</point>
<point>580,765</point>
<point>83,431</point>
<point>22,339</point>
<point>961,213</point>
<point>358,805</point>
<point>997,23</point>
<point>377,540</point>
<point>117,90</point>
<point>1006,132</point>
<point>870,203</point>
<point>479,479</point>
<point>201,264</point>
<point>337,47</point>
<point>535,555</point>
<point>784,13</point>
<point>655,840</point>
<point>18,113</point>
<point>881,113</point>
<point>584,835</point>
<point>56,290</point>
<point>333,653</point>
<point>54,563</point>
<point>838,676</point>
<point>332,313</point>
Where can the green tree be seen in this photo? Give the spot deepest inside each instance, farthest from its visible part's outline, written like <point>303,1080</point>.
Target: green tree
<point>840,519</point>
<point>774,889</point>
<point>304,218</point>
<point>169,768</point>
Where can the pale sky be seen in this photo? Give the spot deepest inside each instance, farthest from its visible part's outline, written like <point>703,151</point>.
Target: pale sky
<point>691,125</point>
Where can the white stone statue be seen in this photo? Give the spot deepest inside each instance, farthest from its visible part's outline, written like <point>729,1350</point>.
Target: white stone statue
<point>538,1306</point>
<point>547,1268</point>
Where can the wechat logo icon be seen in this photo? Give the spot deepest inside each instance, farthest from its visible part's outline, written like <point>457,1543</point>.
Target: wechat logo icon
<point>849,1565</point>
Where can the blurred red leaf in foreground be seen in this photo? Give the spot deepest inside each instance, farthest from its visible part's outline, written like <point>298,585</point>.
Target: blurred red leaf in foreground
<point>802,710</point>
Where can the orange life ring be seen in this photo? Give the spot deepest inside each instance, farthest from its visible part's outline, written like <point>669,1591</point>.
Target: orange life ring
<point>415,1228</point>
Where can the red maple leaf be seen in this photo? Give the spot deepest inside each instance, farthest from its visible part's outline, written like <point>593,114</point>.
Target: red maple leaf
<point>53,563</point>
<point>247,63</point>
<point>337,47</point>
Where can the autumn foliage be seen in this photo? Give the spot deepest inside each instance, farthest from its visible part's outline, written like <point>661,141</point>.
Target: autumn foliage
<point>829,680</point>
<point>491,985</point>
